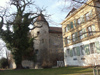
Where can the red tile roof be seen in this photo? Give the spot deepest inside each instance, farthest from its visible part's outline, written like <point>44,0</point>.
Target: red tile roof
<point>55,29</point>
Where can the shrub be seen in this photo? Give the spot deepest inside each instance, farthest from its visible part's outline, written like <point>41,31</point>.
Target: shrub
<point>4,63</point>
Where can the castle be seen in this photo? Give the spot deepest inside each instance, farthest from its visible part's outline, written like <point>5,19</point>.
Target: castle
<point>48,43</point>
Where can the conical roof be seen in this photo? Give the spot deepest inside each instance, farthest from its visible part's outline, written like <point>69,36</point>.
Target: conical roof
<point>41,18</point>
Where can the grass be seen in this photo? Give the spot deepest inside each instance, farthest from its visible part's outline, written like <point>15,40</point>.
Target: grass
<point>51,71</point>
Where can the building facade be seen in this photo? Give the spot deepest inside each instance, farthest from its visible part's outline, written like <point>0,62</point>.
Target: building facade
<point>81,35</point>
<point>48,43</point>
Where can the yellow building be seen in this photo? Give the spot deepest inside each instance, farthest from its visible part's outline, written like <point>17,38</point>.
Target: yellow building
<point>81,35</point>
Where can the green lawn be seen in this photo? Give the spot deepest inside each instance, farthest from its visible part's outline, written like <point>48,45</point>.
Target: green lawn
<point>54,71</point>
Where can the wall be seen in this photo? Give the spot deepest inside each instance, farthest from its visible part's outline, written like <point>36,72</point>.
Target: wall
<point>83,60</point>
<point>56,47</point>
<point>41,42</point>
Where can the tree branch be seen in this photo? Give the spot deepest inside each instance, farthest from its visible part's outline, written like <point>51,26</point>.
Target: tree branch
<point>85,3</point>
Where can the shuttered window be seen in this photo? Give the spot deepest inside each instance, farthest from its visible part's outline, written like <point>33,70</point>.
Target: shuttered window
<point>86,48</point>
<point>68,52</point>
<point>71,23</point>
<point>84,34</point>
<point>78,21</point>
<point>68,26</point>
<point>91,15</point>
<point>93,29</point>
<point>80,34</point>
<point>92,48</point>
<point>66,29</point>
<point>74,51</point>
<point>82,52</point>
<point>65,41</point>
<point>76,35</point>
<point>69,39</point>
<point>73,36</point>
<point>87,16</point>
<point>78,51</point>
<point>82,19</point>
<point>71,52</point>
<point>75,23</point>
<point>89,30</point>
<point>97,46</point>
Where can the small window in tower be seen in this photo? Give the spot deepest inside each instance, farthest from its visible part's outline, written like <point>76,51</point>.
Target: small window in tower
<point>38,33</point>
<point>36,51</point>
<point>42,40</point>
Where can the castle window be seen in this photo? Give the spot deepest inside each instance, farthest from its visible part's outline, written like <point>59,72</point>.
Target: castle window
<point>42,40</point>
<point>36,51</point>
<point>38,33</point>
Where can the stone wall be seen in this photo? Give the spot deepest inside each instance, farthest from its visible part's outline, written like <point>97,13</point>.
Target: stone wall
<point>56,47</point>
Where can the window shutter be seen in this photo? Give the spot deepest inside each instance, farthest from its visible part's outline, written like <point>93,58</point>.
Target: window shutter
<point>66,29</point>
<point>76,36</point>
<point>65,41</point>
<point>71,23</point>
<point>90,14</point>
<point>93,29</point>
<point>75,23</point>
<point>68,26</point>
<point>71,52</point>
<point>83,19</point>
<point>86,48</point>
<point>78,51</point>
<point>85,32</point>
<point>97,46</point>
<point>69,38</point>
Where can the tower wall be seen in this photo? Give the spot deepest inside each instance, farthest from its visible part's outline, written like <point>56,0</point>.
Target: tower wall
<point>41,42</point>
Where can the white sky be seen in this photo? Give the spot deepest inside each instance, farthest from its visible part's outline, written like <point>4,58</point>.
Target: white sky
<point>53,8</point>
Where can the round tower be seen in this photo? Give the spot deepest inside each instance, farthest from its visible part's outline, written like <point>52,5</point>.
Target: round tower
<point>41,34</point>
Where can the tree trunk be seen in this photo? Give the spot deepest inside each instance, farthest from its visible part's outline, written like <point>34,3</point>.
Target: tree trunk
<point>19,66</point>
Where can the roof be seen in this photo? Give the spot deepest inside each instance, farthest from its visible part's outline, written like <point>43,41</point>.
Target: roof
<point>41,18</point>
<point>71,12</point>
<point>77,10</point>
<point>55,29</point>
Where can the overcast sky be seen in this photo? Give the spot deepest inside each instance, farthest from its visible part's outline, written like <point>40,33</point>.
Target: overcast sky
<point>53,7</point>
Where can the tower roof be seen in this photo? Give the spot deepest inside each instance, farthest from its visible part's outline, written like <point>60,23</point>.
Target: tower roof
<point>41,18</point>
